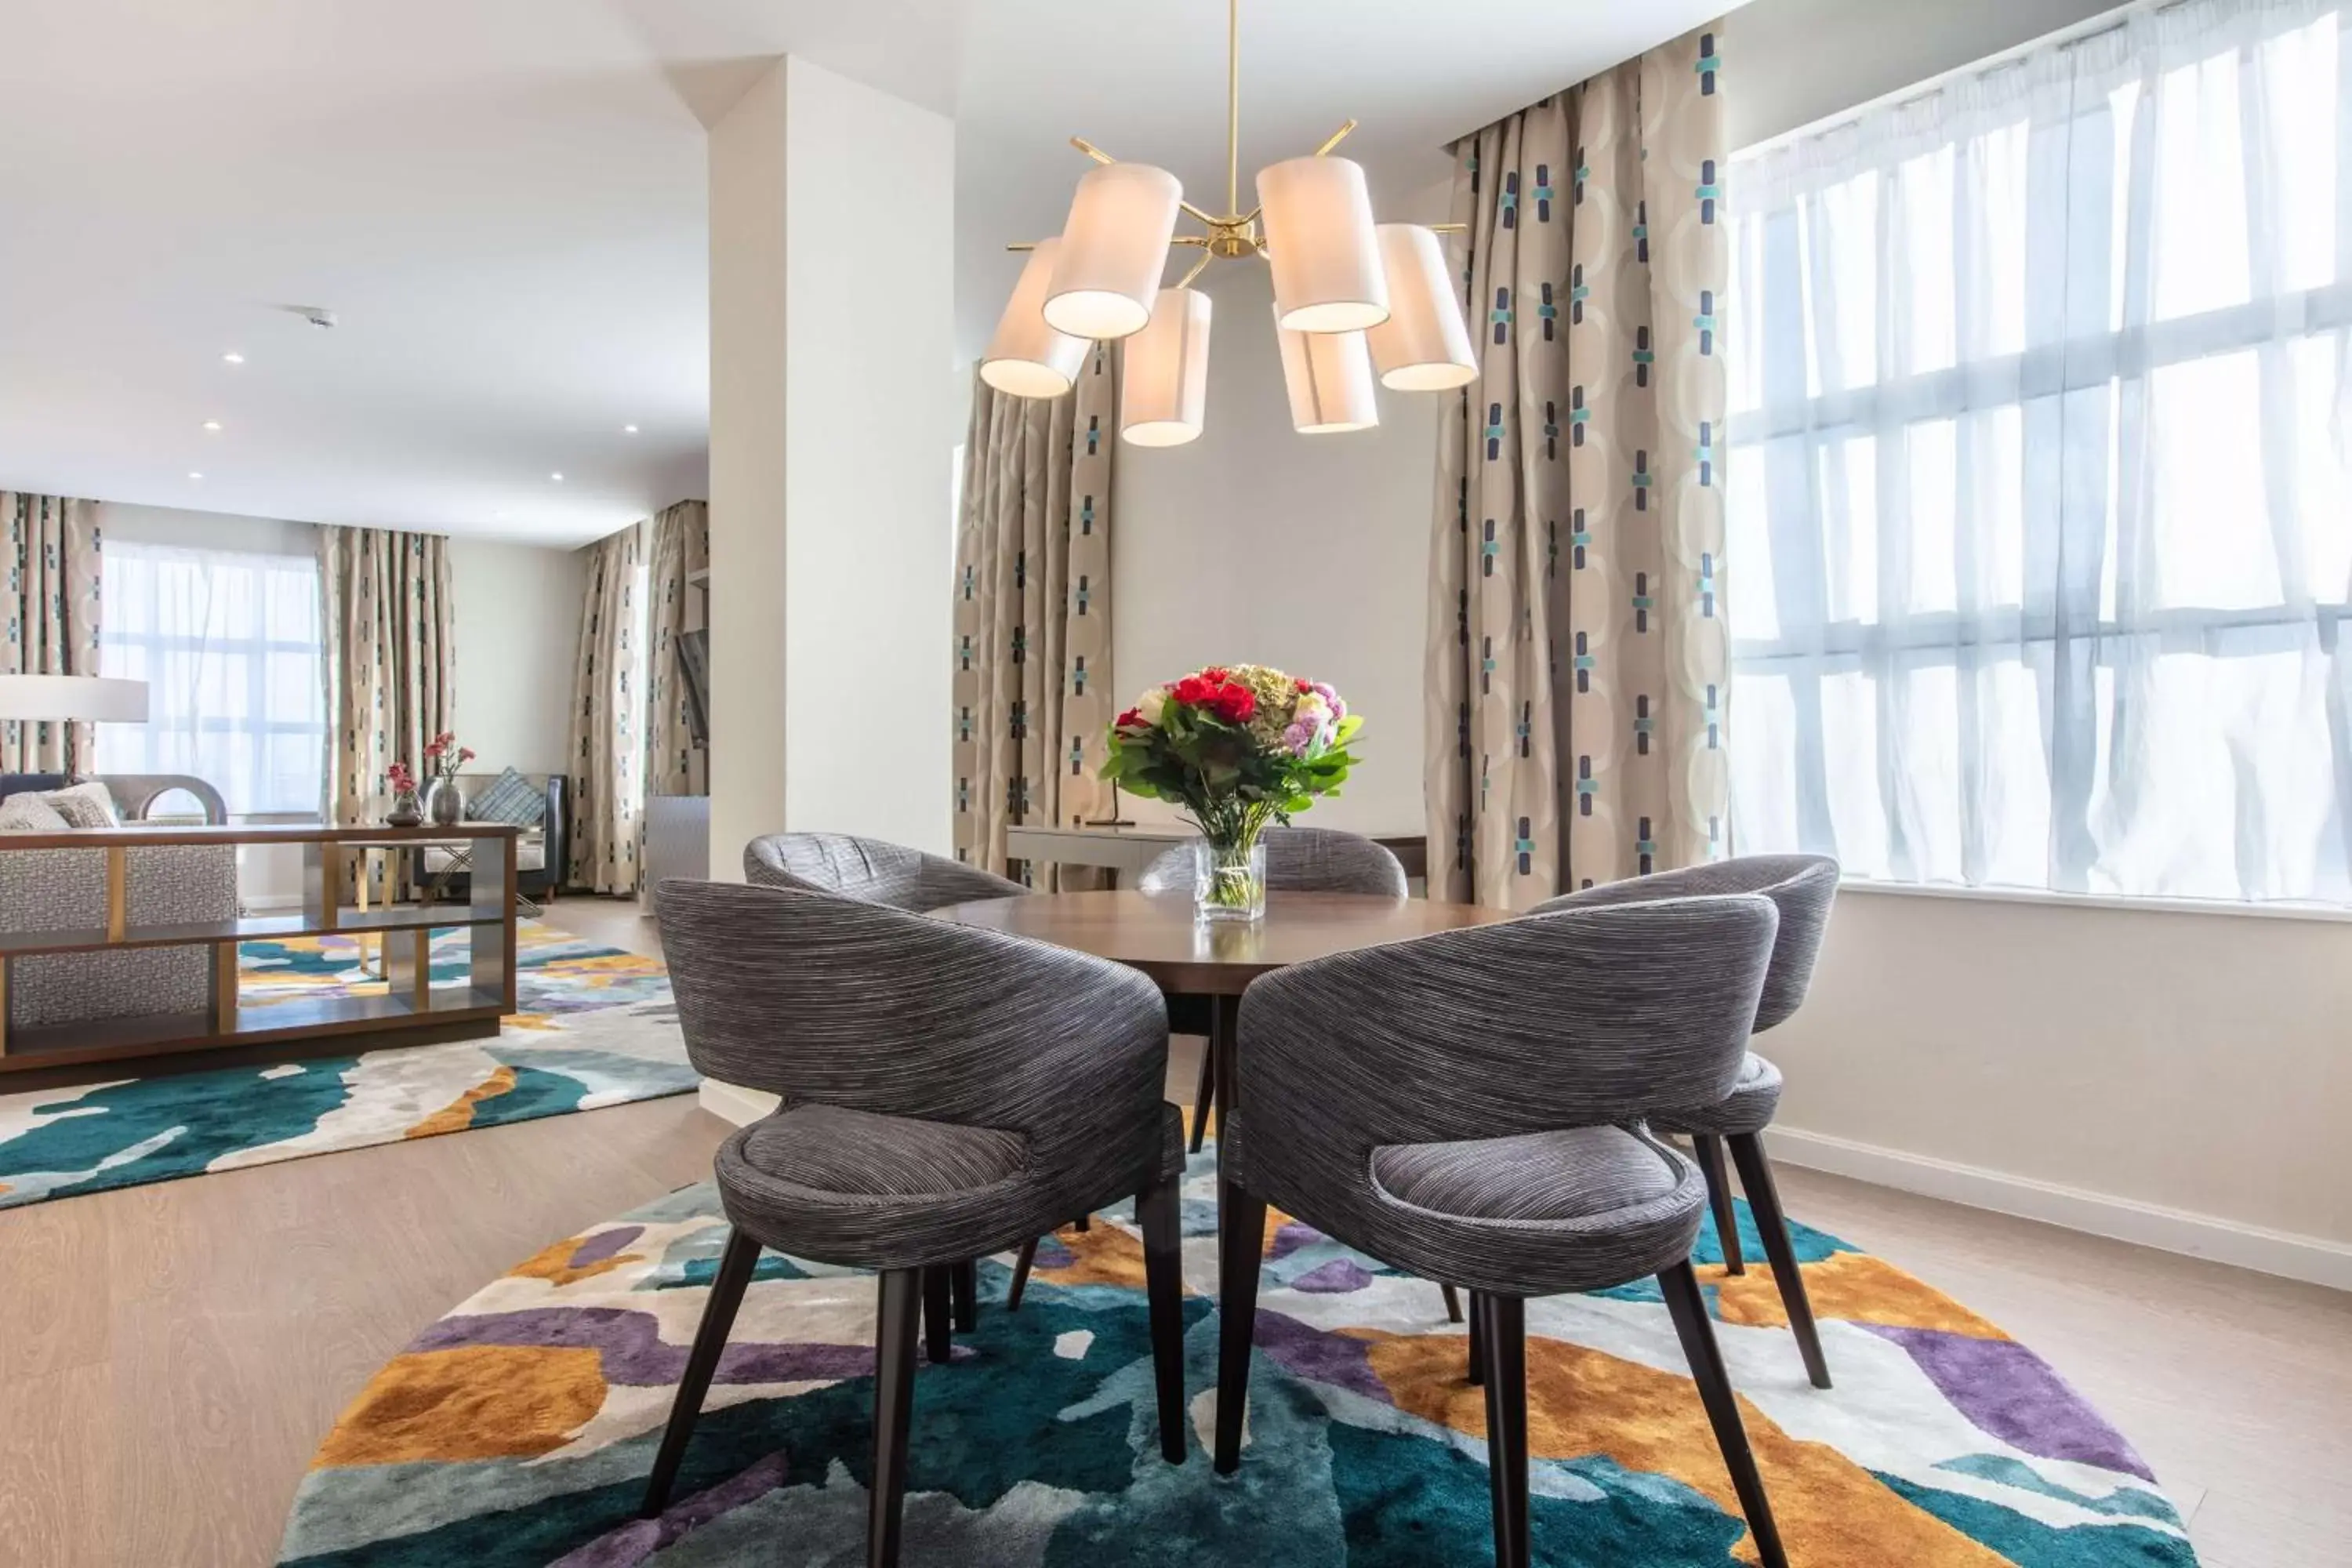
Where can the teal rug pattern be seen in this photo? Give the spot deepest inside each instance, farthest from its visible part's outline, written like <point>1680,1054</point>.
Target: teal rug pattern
<point>596,1027</point>
<point>518,1429</point>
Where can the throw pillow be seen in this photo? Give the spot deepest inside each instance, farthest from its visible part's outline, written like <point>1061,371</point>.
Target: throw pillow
<point>87,805</point>
<point>28,812</point>
<point>512,799</point>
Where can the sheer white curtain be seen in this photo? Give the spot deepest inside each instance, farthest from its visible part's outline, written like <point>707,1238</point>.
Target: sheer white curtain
<point>2040,513</point>
<point>228,643</point>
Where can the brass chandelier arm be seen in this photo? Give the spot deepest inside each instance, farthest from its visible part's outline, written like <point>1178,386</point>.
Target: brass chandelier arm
<point>1334,139</point>
<point>1091,151</point>
<point>1196,270</point>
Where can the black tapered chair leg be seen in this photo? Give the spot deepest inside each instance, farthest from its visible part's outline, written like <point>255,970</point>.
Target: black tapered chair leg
<point>1709,1148</point>
<point>1504,1340</point>
<point>894,1409</point>
<point>1689,1306</point>
<point>937,1319</point>
<point>1772,1225</point>
<point>1240,1247</point>
<point>1204,1093</point>
<point>1157,1210</point>
<point>1452,1303</point>
<point>964,1295</point>
<point>1477,1355</point>
<point>735,1264</point>
<point>1023,1261</point>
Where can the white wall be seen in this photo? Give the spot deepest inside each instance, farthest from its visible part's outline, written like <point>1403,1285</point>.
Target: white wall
<point>1258,545</point>
<point>518,634</point>
<point>832,333</point>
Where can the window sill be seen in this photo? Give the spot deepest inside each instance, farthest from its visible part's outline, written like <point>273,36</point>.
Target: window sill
<point>2323,913</point>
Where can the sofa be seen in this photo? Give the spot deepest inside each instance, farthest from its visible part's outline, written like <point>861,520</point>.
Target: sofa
<point>56,890</point>
<point>541,853</point>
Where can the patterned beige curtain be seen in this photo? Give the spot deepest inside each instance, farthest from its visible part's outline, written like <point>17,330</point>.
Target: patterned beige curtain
<point>607,739</point>
<point>391,657</point>
<point>52,608</point>
<point>1577,654</point>
<point>681,548</point>
<point>1032,680</point>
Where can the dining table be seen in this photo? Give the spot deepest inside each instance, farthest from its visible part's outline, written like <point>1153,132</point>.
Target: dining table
<point>1161,936</point>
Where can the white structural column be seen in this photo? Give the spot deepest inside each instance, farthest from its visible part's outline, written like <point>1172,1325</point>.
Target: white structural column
<point>832,298</point>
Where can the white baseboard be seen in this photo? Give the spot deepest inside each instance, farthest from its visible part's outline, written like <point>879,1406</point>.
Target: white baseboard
<point>733,1102</point>
<point>2312,1258</point>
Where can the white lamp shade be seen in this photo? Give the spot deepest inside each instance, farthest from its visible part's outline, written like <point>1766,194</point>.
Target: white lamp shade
<point>1027,358</point>
<point>1319,237</point>
<point>1164,389</point>
<point>1329,376</point>
<point>1424,345</point>
<point>73,697</point>
<point>1114,247</point>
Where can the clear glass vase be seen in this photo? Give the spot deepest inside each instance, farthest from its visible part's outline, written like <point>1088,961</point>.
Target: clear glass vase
<point>1229,880</point>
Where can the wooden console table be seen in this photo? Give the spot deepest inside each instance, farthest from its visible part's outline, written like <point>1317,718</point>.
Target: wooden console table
<point>411,1000</point>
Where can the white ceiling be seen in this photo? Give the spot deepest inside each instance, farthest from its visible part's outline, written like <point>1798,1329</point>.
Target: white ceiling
<point>504,202</point>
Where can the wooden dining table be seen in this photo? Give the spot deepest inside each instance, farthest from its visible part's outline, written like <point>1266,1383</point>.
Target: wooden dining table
<point>1160,935</point>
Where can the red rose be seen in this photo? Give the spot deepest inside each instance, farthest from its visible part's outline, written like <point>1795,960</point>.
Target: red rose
<point>1234,704</point>
<point>1193,691</point>
<point>1306,686</point>
<point>1215,675</point>
<point>1130,720</point>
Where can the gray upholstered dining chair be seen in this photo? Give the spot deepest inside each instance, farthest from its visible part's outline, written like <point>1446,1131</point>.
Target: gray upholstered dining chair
<point>1468,1107</point>
<point>946,1093</point>
<point>873,870</point>
<point>1801,887</point>
<point>1297,860</point>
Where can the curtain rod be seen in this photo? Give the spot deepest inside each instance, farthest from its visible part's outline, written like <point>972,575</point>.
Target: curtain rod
<point>2073,33</point>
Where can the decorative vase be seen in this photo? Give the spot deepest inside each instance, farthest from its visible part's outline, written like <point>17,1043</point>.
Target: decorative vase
<point>443,803</point>
<point>1229,878</point>
<point>405,811</point>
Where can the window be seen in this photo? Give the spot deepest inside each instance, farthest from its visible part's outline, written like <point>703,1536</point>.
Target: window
<point>229,644</point>
<point>2040,507</point>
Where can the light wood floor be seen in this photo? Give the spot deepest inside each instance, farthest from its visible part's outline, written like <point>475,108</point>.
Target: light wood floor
<point>171,1355</point>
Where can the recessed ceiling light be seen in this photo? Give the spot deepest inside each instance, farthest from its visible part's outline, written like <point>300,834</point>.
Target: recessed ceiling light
<point>212,426</point>
<point>194,475</point>
<point>231,357</point>
<point>557,478</point>
<point>629,429</point>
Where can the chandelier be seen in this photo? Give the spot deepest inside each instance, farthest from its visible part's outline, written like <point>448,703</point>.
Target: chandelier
<point>1351,296</point>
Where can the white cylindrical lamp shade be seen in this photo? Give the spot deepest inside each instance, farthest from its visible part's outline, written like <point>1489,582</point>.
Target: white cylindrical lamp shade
<point>93,697</point>
<point>1424,345</point>
<point>1319,237</point>
<point>1329,376</point>
<point>1164,387</point>
<point>1114,247</point>
<point>1027,358</point>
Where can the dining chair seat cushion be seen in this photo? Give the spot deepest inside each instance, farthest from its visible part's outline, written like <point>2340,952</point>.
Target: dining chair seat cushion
<point>1749,1108</point>
<point>1579,1174</point>
<point>1616,1204</point>
<point>862,1189</point>
<point>858,1154</point>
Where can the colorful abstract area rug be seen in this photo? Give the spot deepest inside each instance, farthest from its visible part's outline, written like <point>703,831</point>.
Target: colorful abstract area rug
<point>596,1027</point>
<point>520,1428</point>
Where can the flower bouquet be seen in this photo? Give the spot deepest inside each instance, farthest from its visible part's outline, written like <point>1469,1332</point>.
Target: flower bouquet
<point>1237,746</point>
<point>405,811</point>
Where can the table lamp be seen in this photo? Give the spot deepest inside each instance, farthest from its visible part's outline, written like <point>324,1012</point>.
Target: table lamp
<point>83,697</point>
